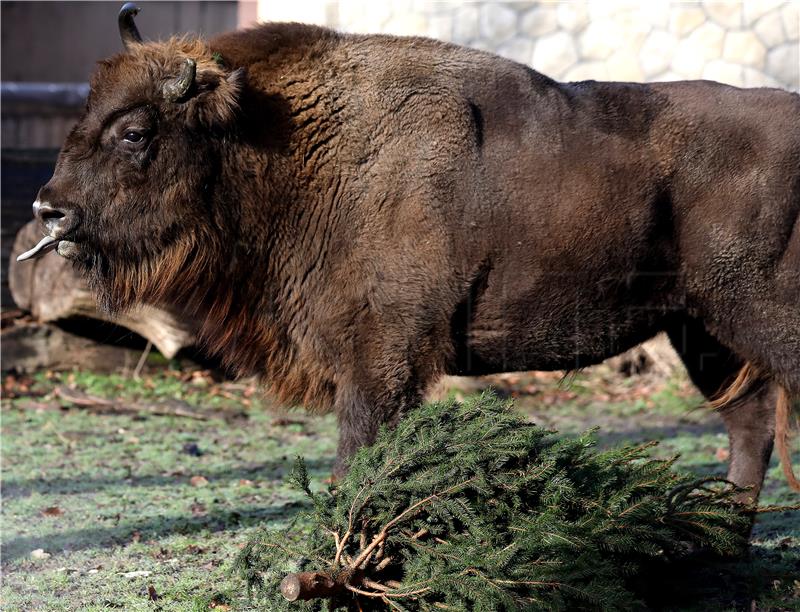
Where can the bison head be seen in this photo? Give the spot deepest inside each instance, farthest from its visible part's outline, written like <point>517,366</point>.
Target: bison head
<point>134,201</point>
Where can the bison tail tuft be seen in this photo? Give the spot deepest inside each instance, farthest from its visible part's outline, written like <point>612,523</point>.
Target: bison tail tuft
<point>747,376</point>
<point>783,435</point>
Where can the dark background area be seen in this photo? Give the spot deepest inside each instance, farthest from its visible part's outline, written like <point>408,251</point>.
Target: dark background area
<point>61,41</point>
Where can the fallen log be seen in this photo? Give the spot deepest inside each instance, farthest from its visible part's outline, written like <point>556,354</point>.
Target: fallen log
<point>51,290</point>
<point>29,346</point>
<point>655,357</point>
<point>314,585</point>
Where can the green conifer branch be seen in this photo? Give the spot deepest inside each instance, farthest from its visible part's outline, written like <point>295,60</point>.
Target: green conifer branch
<point>470,506</point>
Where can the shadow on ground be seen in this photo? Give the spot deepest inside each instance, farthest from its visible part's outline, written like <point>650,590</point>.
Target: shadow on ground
<point>153,528</point>
<point>80,483</point>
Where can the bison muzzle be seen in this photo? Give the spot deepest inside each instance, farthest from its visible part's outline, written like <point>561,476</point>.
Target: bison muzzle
<point>351,217</point>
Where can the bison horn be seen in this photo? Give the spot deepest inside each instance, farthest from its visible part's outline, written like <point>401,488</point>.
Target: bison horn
<point>177,88</point>
<point>127,28</point>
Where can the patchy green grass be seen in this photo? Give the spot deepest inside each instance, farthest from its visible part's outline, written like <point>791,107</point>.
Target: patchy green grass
<point>125,502</point>
<point>144,512</point>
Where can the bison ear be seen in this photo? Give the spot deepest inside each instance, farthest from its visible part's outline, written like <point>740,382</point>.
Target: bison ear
<point>216,102</point>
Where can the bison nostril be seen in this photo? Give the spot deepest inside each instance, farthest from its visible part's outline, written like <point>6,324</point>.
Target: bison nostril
<point>51,214</point>
<point>57,222</point>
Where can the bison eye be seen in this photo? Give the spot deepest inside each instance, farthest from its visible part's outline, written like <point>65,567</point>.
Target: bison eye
<point>133,136</point>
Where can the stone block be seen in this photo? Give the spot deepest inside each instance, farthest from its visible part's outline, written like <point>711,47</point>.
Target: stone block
<point>754,10</point>
<point>783,63</point>
<point>517,49</point>
<point>685,18</point>
<point>770,29</point>
<point>724,72</point>
<point>440,26</point>
<point>540,21</point>
<point>465,24</point>
<point>498,22</point>
<point>791,20</point>
<point>727,13</point>
<point>406,24</point>
<point>623,65</point>
<point>656,53</point>
<point>587,71</point>
<point>667,76</point>
<point>744,48</point>
<point>655,13</point>
<point>482,45</point>
<point>702,45</point>
<point>601,10</point>
<point>756,78</point>
<point>573,16</point>
<point>554,54</point>
<point>600,39</point>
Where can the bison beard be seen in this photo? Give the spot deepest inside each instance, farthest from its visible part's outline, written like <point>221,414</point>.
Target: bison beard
<point>352,216</point>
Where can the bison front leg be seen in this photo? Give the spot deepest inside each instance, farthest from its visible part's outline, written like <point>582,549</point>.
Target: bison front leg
<point>360,413</point>
<point>749,420</point>
<point>751,432</point>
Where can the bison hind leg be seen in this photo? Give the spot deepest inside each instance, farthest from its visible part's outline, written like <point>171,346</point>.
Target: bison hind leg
<point>748,378</point>
<point>749,402</point>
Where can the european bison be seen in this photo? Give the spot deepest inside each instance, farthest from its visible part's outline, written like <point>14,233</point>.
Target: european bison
<point>352,216</point>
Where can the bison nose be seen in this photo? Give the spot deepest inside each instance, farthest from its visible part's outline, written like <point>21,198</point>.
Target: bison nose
<point>57,222</point>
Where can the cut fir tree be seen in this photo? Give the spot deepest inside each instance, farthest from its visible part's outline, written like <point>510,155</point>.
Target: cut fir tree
<point>467,506</point>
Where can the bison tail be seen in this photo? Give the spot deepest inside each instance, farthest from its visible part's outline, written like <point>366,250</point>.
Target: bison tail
<point>748,375</point>
<point>749,379</point>
<point>783,435</point>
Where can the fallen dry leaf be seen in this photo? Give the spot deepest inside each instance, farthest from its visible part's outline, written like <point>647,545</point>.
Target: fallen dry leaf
<point>243,482</point>
<point>52,511</point>
<point>722,454</point>
<point>198,481</point>
<point>39,554</point>
<point>151,593</point>
<point>136,574</point>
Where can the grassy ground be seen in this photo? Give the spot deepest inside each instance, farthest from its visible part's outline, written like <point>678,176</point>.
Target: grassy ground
<point>144,512</point>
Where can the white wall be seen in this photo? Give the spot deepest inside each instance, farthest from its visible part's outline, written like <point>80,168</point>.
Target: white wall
<point>751,43</point>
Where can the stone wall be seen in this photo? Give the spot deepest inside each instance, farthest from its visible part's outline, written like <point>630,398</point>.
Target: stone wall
<point>752,43</point>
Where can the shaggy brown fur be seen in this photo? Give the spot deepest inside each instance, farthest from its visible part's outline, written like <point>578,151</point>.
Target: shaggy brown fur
<point>352,216</point>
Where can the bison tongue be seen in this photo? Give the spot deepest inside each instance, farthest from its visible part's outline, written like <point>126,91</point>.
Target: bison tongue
<point>48,243</point>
